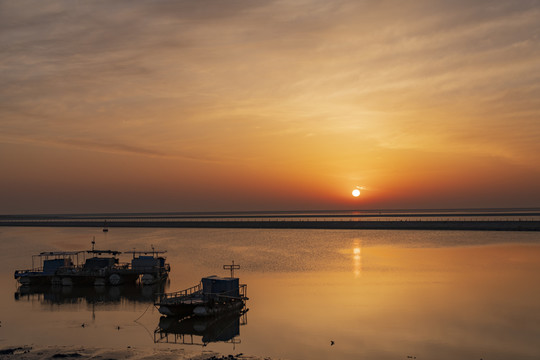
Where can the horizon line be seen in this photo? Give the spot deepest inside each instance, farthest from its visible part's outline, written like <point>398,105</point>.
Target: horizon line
<point>321,211</point>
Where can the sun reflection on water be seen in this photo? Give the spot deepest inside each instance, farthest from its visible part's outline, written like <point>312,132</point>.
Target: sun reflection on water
<point>357,258</point>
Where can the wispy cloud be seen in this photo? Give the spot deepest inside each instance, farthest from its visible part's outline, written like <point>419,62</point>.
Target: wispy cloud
<point>272,82</point>
<point>105,147</point>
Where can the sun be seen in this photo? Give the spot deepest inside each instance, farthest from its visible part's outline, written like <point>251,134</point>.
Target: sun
<point>356,193</point>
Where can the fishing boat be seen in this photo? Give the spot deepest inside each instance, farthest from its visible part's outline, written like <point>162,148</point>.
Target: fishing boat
<point>102,267</point>
<point>150,265</point>
<point>211,297</point>
<point>45,266</point>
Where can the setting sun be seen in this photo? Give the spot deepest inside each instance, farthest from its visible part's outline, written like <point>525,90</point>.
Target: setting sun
<point>410,113</point>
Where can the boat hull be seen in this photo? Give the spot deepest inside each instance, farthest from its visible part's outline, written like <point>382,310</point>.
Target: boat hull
<point>33,278</point>
<point>199,308</point>
<point>176,310</point>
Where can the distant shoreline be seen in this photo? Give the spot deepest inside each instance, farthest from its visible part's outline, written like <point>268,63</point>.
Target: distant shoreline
<point>472,225</point>
<point>499,212</point>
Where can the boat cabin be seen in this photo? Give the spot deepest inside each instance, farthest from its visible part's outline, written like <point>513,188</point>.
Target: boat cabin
<point>147,262</point>
<point>98,261</point>
<point>213,286</point>
<point>150,265</point>
<point>50,266</point>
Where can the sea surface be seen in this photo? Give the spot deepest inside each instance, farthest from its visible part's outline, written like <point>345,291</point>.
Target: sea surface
<point>375,294</point>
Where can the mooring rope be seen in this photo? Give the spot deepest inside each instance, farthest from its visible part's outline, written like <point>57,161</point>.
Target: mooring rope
<point>143,313</point>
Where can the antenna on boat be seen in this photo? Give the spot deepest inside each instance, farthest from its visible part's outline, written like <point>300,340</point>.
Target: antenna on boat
<point>231,267</point>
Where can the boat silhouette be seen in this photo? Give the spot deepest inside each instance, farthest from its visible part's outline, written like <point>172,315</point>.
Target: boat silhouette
<point>102,267</point>
<point>212,296</point>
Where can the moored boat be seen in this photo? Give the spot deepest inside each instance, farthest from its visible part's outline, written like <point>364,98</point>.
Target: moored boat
<point>102,267</point>
<point>212,296</point>
<point>150,265</point>
<point>45,266</point>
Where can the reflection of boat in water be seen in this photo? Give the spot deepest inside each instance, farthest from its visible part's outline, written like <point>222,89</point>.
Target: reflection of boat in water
<point>102,268</point>
<point>212,296</point>
<point>200,330</point>
<point>59,295</point>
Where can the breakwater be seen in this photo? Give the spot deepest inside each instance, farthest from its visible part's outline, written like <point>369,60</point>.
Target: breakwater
<point>480,225</point>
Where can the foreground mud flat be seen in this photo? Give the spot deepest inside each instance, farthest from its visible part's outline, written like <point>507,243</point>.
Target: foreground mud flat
<point>83,353</point>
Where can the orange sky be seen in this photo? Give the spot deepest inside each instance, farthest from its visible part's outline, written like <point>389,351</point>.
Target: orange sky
<point>213,105</point>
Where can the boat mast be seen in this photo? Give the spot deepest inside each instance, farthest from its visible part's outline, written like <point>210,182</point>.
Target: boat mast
<point>231,268</point>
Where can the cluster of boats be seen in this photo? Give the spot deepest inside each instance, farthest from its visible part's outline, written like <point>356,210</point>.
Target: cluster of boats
<point>215,300</point>
<point>94,267</point>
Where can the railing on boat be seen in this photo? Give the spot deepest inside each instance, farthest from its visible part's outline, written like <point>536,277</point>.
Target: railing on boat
<point>80,269</point>
<point>242,294</point>
<point>29,271</point>
<point>180,294</point>
<point>186,296</point>
<point>123,266</point>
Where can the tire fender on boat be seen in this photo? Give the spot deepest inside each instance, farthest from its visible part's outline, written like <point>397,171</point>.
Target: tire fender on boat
<point>115,279</point>
<point>165,311</point>
<point>148,279</point>
<point>202,311</point>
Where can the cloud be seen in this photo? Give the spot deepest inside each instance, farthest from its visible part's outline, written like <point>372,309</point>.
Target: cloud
<point>272,82</point>
<point>106,147</point>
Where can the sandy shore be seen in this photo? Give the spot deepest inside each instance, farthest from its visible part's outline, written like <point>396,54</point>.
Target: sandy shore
<point>82,353</point>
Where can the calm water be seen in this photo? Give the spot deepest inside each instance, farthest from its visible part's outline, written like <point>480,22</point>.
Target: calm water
<point>376,294</point>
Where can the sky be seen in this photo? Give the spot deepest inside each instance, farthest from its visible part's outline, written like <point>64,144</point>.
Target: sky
<point>245,105</point>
